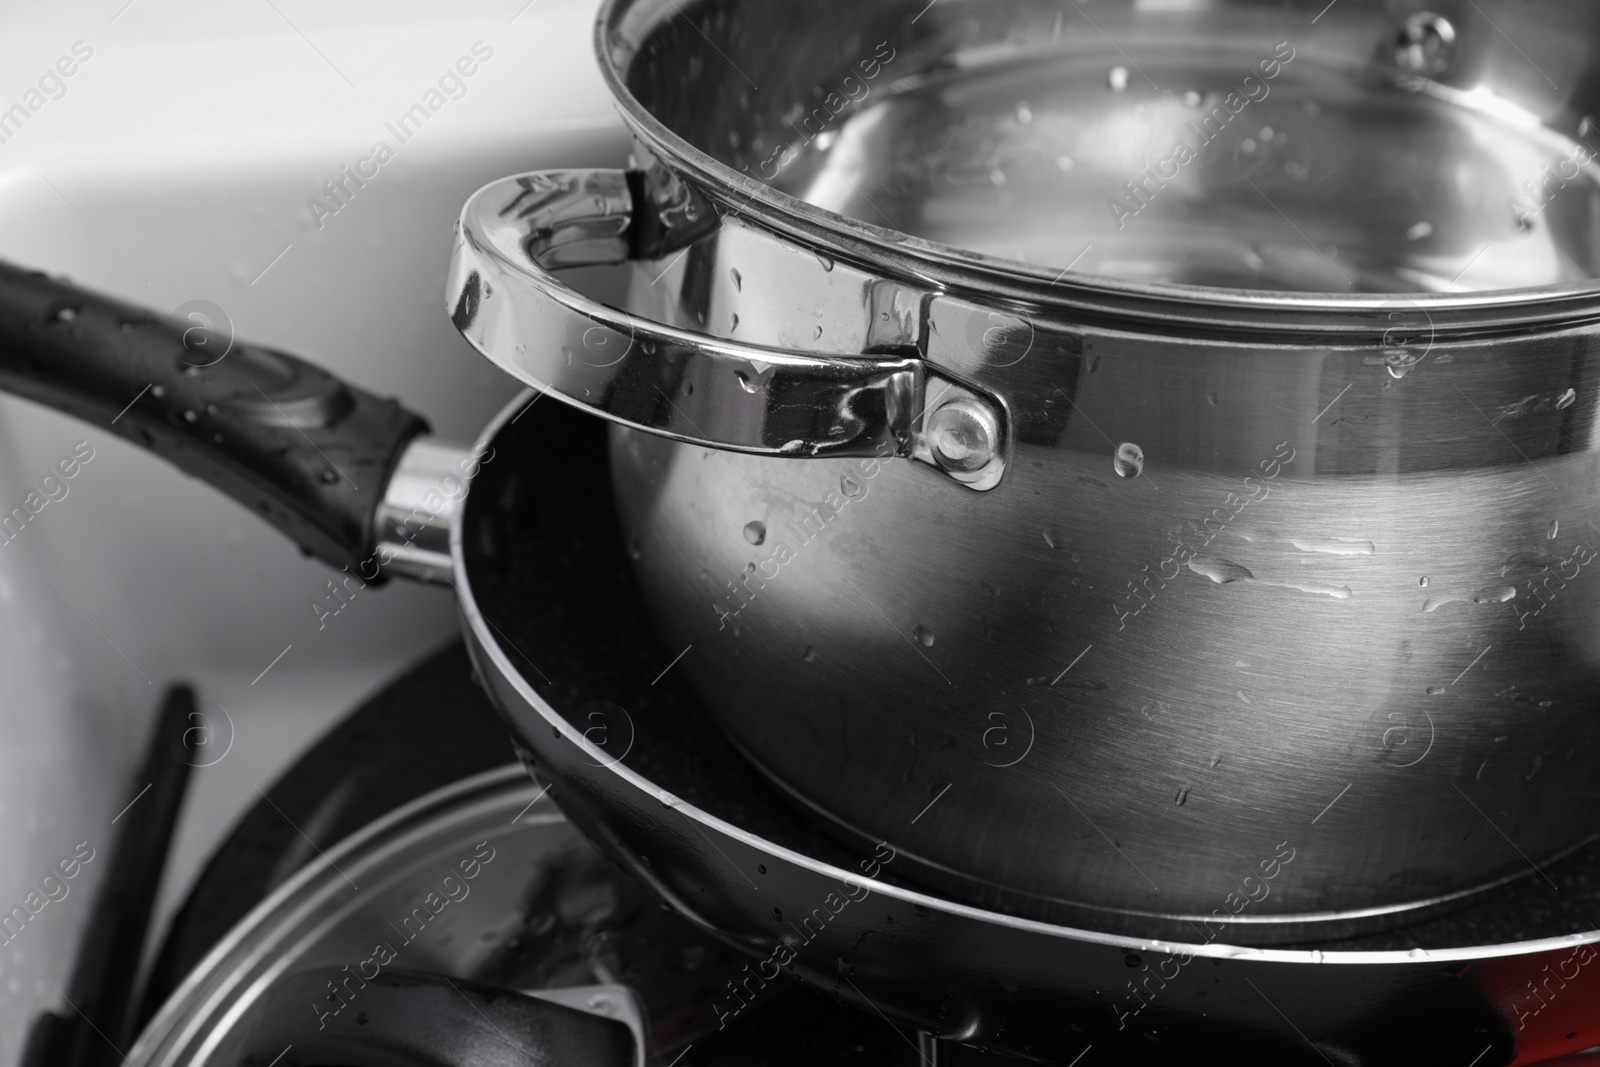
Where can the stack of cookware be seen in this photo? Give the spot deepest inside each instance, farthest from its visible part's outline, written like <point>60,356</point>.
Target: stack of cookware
<point>1110,482</point>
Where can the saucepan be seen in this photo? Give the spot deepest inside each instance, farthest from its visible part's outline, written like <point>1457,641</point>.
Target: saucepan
<point>1139,430</point>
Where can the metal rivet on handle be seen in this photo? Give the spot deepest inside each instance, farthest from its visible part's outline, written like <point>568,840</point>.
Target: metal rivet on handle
<point>963,436</point>
<point>1425,44</point>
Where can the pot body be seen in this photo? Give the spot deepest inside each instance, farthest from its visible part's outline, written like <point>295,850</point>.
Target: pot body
<point>1374,634</point>
<point>1262,574</point>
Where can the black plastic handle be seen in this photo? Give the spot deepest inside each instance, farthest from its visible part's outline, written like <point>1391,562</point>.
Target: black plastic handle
<point>331,1018</point>
<point>309,453</point>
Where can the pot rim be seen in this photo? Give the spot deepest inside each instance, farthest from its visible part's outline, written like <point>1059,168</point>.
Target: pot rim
<point>1150,305</point>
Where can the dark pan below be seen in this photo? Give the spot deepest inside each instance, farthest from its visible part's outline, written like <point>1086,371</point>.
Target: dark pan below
<point>667,796</point>
<point>558,590</point>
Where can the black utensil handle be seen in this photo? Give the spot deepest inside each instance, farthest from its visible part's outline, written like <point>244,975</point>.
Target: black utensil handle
<point>408,1019</point>
<point>306,451</point>
<point>102,982</point>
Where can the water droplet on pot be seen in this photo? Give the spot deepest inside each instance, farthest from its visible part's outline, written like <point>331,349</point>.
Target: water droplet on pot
<point>810,655</point>
<point>816,334</point>
<point>755,531</point>
<point>1419,230</point>
<point>1191,99</point>
<point>826,261</point>
<point>1117,79</point>
<point>1182,798</point>
<point>1316,955</point>
<point>746,383</point>
<point>1054,537</point>
<point>1496,595</point>
<point>923,634</point>
<point>738,280</point>
<point>66,314</point>
<point>329,477</point>
<point>1555,528</point>
<point>1128,461</point>
<point>1423,581</point>
<point>1566,399</point>
<point>1221,571</point>
<point>733,322</point>
<point>1435,690</point>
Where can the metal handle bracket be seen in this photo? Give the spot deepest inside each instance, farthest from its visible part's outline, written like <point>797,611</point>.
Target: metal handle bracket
<point>684,385</point>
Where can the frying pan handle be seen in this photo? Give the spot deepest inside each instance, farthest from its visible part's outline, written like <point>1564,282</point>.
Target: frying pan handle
<point>688,386</point>
<point>408,1019</point>
<point>309,453</point>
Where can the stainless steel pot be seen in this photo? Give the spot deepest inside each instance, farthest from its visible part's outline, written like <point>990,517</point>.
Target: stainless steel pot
<point>1245,359</point>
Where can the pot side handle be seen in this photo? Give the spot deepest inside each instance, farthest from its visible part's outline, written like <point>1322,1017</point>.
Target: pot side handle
<point>504,298</point>
<point>307,452</point>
